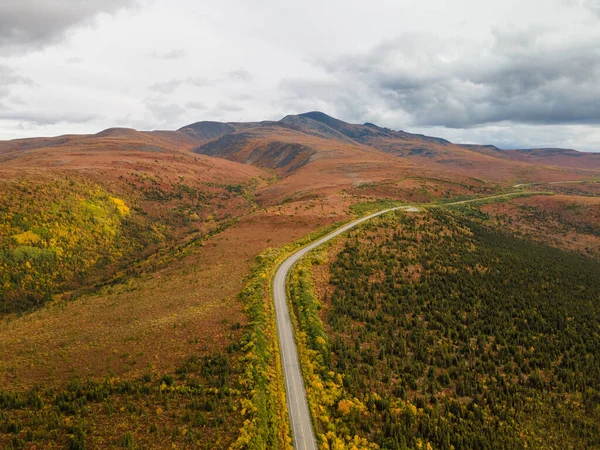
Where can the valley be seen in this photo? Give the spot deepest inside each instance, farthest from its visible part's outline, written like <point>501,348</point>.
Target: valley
<point>135,288</point>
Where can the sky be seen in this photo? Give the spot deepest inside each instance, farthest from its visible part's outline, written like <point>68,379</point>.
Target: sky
<point>513,73</point>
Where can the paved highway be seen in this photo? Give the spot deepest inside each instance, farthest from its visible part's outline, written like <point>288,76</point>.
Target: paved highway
<point>591,180</point>
<point>300,420</point>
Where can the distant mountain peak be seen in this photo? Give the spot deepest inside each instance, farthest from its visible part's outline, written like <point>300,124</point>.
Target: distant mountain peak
<point>207,129</point>
<point>116,131</point>
<point>319,116</point>
<point>377,127</point>
<point>357,133</point>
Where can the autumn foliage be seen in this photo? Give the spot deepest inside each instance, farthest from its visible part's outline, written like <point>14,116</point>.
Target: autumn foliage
<point>53,234</point>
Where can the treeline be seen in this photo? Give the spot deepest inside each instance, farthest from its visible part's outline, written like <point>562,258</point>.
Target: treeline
<point>263,406</point>
<point>452,334</point>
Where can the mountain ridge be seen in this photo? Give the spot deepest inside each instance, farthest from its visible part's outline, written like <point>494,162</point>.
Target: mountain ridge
<point>314,138</point>
<point>207,130</point>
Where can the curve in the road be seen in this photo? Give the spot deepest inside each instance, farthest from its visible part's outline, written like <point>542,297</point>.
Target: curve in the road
<point>300,419</point>
<point>299,413</point>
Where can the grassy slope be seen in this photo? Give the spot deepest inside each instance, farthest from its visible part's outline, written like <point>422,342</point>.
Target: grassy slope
<point>120,231</point>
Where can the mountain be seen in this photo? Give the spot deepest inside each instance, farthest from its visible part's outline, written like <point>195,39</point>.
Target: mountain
<point>207,130</point>
<point>304,141</point>
<point>556,157</point>
<point>313,153</point>
<point>113,140</point>
<point>313,146</point>
<point>135,269</point>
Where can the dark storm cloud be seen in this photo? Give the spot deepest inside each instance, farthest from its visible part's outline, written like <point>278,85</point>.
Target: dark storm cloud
<point>532,76</point>
<point>30,24</point>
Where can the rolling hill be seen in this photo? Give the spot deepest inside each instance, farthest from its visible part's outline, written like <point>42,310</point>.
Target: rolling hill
<point>319,133</point>
<point>135,265</point>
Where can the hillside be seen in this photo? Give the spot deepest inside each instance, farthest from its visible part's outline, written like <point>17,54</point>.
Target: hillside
<point>177,184</point>
<point>319,133</point>
<point>135,266</point>
<point>76,209</point>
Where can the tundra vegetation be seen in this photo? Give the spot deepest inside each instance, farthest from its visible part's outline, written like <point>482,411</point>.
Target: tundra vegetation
<point>230,399</point>
<point>67,233</point>
<point>69,236</point>
<point>122,256</point>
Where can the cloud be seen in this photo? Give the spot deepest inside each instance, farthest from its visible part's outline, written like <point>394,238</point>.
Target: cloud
<point>593,6</point>
<point>342,98</point>
<point>160,114</point>
<point>74,60</point>
<point>31,24</point>
<point>15,109</point>
<point>8,78</point>
<point>164,114</point>
<point>531,76</point>
<point>196,105</point>
<point>168,87</point>
<point>175,53</point>
<point>226,107</point>
<point>240,75</point>
<point>580,137</point>
<point>46,118</point>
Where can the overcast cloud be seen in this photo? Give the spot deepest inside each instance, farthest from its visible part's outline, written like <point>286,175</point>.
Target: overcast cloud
<point>514,73</point>
<point>528,76</point>
<point>29,24</point>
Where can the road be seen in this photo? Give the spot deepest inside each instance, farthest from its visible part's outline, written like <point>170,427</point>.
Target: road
<point>300,420</point>
<point>591,180</point>
<point>299,413</point>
